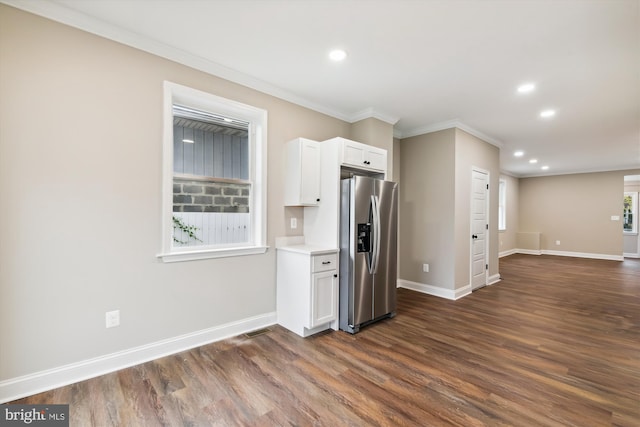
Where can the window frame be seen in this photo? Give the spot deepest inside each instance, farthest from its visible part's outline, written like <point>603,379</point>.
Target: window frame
<point>634,212</point>
<point>502,204</point>
<point>178,94</point>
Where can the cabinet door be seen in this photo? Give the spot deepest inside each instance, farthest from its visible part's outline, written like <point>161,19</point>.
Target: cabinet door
<point>377,159</point>
<point>310,173</point>
<point>353,154</point>
<point>364,156</point>
<point>324,293</point>
<point>302,181</point>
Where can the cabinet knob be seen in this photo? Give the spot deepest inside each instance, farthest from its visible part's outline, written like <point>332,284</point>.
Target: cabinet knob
<point>335,275</point>
<point>317,200</point>
<point>326,262</point>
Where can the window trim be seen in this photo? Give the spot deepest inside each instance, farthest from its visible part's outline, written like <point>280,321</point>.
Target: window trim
<point>175,93</point>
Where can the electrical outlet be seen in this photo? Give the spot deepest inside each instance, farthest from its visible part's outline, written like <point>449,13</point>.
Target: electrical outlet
<point>294,223</point>
<point>112,318</point>
<point>557,242</point>
<point>425,268</point>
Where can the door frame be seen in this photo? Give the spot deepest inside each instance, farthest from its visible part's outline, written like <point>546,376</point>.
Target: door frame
<point>487,218</point>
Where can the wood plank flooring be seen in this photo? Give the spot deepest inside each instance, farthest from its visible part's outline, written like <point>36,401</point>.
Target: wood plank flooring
<point>555,343</point>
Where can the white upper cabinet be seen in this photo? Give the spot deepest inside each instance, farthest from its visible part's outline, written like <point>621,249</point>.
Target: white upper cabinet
<point>303,173</point>
<point>362,156</point>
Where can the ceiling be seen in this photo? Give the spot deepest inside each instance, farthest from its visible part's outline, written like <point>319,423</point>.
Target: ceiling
<point>422,65</point>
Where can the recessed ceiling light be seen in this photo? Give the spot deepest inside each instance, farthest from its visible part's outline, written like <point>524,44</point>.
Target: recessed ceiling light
<point>547,113</point>
<point>189,141</point>
<point>533,161</point>
<point>518,153</point>
<point>337,55</point>
<point>545,167</point>
<point>526,88</point>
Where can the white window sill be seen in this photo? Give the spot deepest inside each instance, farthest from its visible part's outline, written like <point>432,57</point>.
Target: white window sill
<point>194,255</point>
<point>629,233</point>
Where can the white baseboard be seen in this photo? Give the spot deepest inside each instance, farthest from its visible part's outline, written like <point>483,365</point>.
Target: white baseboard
<point>442,292</point>
<point>564,253</point>
<point>528,251</point>
<point>435,290</point>
<point>462,292</point>
<point>630,255</point>
<point>507,253</point>
<point>38,382</point>
<point>583,255</point>
<point>494,279</point>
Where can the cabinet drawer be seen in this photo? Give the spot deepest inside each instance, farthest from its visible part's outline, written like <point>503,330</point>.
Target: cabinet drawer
<point>324,262</point>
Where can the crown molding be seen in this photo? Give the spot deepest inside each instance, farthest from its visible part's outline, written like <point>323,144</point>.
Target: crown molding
<point>433,127</point>
<point>454,123</point>
<point>372,113</point>
<point>64,15</point>
<point>578,172</point>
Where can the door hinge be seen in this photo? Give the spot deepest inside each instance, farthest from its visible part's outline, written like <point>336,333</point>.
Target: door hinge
<point>487,186</point>
<point>486,266</point>
<point>487,226</point>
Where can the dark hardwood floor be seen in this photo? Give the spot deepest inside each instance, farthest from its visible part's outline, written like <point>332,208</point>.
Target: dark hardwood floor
<point>555,343</point>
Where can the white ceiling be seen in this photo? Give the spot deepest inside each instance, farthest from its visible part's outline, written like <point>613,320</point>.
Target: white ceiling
<point>426,64</point>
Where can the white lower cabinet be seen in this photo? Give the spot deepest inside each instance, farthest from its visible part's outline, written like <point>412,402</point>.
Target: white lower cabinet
<point>307,289</point>
<point>323,297</point>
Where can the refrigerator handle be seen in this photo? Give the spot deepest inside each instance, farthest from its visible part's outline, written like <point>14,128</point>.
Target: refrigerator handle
<point>376,234</point>
<point>373,253</point>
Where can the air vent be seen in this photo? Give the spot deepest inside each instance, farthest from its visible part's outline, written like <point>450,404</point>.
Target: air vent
<point>254,334</point>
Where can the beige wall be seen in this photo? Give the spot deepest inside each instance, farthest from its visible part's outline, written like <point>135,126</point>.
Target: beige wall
<point>80,142</point>
<point>507,238</point>
<point>427,198</point>
<point>473,152</point>
<point>396,160</point>
<point>435,206</point>
<point>576,210</point>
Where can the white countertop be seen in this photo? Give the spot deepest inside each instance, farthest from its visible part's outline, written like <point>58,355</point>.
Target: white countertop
<point>308,249</point>
<point>297,244</point>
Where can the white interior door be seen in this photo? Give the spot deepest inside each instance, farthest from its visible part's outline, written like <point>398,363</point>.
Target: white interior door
<point>479,228</point>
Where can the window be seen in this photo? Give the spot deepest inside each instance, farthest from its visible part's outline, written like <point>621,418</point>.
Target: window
<point>502,205</point>
<point>214,176</point>
<point>630,212</point>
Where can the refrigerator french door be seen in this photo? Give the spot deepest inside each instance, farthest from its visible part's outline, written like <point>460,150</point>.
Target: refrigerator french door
<point>368,248</point>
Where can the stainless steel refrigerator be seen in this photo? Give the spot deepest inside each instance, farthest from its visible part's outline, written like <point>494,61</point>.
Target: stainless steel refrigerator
<point>368,248</point>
